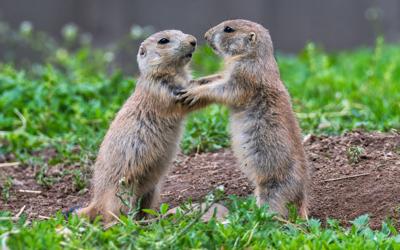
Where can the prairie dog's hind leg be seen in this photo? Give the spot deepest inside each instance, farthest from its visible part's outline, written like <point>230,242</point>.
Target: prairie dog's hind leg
<point>272,194</point>
<point>279,195</point>
<point>303,207</point>
<point>148,200</point>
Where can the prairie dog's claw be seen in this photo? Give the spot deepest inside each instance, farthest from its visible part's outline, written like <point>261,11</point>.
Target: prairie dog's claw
<point>180,92</point>
<point>193,102</point>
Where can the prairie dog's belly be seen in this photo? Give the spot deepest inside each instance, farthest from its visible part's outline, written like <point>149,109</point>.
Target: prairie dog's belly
<point>260,143</point>
<point>138,147</point>
<point>242,133</point>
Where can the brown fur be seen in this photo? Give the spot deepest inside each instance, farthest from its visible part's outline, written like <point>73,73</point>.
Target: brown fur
<point>266,136</point>
<point>143,138</point>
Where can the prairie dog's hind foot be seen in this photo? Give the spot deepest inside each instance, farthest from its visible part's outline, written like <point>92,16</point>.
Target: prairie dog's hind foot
<point>88,212</point>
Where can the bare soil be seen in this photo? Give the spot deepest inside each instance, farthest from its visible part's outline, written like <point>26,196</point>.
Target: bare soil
<point>344,185</point>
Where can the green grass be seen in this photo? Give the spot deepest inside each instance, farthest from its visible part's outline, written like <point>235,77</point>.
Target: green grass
<point>70,102</point>
<point>67,101</point>
<point>247,226</point>
<point>344,91</point>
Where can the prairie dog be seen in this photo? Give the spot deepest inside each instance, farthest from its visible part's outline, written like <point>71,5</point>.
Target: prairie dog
<point>144,136</point>
<point>266,137</point>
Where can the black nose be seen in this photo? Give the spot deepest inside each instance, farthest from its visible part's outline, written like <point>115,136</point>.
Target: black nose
<point>193,43</point>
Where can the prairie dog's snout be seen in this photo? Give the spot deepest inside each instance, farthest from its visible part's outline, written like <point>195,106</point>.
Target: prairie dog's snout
<point>192,40</point>
<point>189,45</point>
<point>207,35</point>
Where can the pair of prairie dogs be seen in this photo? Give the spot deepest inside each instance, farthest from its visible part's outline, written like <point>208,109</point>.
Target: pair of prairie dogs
<point>143,138</point>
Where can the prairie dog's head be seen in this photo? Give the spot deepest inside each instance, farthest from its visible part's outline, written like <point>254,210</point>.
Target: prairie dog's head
<point>165,50</point>
<point>239,37</point>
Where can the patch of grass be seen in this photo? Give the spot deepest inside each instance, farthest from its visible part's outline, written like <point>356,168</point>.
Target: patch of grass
<point>246,226</point>
<point>206,130</point>
<point>333,93</point>
<point>46,107</point>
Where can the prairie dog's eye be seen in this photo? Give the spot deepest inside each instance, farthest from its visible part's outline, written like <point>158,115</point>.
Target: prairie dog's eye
<point>163,41</point>
<point>228,29</point>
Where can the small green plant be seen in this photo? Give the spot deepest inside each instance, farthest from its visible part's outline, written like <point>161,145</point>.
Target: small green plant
<point>42,178</point>
<point>354,154</point>
<point>79,180</point>
<point>128,199</point>
<point>5,188</point>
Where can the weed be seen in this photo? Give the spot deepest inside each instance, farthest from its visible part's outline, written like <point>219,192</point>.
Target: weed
<point>6,187</point>
<point>128,199</point>
<point>78,180</point>
<point>42,178</point>
<point>354,154</point>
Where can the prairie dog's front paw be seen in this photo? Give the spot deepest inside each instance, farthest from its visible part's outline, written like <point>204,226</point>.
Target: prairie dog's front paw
<point>189,97</point>
<point>180,95</point>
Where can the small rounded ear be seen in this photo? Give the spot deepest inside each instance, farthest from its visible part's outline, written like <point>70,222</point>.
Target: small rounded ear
<point>142,51</point>
<point>252,37</point>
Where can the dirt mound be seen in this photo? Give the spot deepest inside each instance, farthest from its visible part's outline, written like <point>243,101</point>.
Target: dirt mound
<point>354,174</point>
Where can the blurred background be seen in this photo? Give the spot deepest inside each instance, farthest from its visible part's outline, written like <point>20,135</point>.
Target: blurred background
<point>333,25</point>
